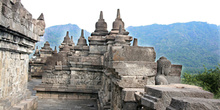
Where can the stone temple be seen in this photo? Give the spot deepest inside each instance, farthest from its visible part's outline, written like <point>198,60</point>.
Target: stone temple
<point>106,68</point>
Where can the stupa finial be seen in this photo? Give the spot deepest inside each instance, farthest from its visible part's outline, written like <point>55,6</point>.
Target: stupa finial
<point>67,33</point>
<point>118,14</point>
<point>101,15</point>
<point>41,17</point>
<point>82,33</point>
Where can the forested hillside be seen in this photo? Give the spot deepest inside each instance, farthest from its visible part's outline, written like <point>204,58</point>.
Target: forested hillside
<point>192,44</point>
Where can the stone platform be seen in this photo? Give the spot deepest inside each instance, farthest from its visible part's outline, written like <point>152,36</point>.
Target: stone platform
<point>59,104</point>
<point>56,104</point>
<point>177,97</point>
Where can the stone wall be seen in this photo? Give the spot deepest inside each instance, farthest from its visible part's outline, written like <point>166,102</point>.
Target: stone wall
<point>109,68</point>
<point>18,35</point>
<point>13,73</point>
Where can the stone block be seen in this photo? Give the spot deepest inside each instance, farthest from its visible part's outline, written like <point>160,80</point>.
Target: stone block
<point>159,96</point>
<point>135,68</point>
<point>7,12</point>
<point>189,103</point>
<point>135,81</point>
<point>99,50</point>
<point>130,53</point>
<point>83,96</point>
<point>54,95</point>
<point>128,94</point>
<point>129,106</point>
<point>6,3</point>
<point>39,94</point>
<point>46,95</point>
<point>72,96</point>
<point>176,70</point>
<point>173,79</point>
<point>1,8</point>
<point>62,96</point>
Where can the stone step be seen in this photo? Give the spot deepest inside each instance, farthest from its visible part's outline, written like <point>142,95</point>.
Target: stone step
<point>155,99</point>
<point>28,104</point>
<point>149,103</point>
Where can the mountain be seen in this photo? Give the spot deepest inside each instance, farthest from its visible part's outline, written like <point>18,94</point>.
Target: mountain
<point>191,44</point>
<point>55,34</point>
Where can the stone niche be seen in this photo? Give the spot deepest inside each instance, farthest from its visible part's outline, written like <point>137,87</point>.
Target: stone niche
<point>18,34</point>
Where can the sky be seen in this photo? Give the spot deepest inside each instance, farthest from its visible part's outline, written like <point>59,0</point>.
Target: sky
<point>85,13</point>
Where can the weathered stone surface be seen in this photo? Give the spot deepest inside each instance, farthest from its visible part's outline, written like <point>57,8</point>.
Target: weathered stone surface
<point>129,53</point>
<point>189,103</point>
<point>109,68</point>
<point>16,42</point>
<point>159,97</point>
<point>135,68</point>
<point>53,104</point>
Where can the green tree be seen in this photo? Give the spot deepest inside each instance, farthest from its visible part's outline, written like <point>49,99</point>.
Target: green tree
<point>209,80</point>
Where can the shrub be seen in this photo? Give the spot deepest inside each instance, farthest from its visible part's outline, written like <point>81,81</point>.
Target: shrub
<point>209,80</point>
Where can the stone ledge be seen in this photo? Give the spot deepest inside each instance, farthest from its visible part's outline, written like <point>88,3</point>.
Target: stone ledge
<point>160,96</point>
<point>71,89</point>
<point>189,103</point>
<point>129,94</point>
<point>15,33</point>
<point>28,104</point>
<point>66,95</point>
<point>14,16</point>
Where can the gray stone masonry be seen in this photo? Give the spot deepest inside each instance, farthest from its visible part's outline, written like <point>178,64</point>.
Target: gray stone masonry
<point>189,103</point>
<point>177,96</point>
<point>18,34</point>
<point>109,68</point>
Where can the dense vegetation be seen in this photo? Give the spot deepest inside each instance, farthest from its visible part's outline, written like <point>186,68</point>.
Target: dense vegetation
<point>192,44</point>
<point>209,80</point>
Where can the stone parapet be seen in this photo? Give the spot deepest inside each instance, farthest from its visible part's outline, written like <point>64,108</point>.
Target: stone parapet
<point>16,18</point>
<point>19,31</point>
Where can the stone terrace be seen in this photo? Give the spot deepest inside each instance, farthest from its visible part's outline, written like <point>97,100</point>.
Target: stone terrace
<point>56,104</point>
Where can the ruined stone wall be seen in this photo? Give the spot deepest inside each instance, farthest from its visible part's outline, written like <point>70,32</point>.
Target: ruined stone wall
<point>18,35</point>
<point>85,78</point>
<point>16,18</point>
<point>13,73</point>
<point>128,69</point>
<point>35,70</point>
